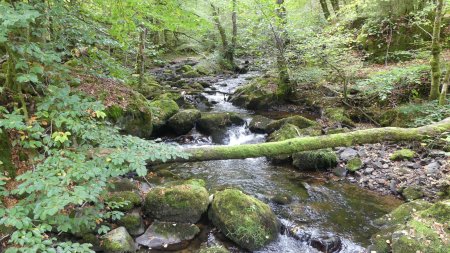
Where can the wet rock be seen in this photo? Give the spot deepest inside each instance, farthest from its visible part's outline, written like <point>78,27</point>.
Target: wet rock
<point>122,184</point>
<point>133,222</point>
<point>338,115</point>
<point>412,193</point>
<point>259,124</point>
<point>282,198</point>
<point>215,125</point>
<point>348,154</point>
<point>298,121</point>
<point>340,171</point>
<point>432,168</point>
<point>127,199</point>
<point>168,235</point>
<point>163,110</point>
<point>403,154</point>
<point>326,243</point>
<point>315,160</point>
<point>118,241</point>
<point>287,131</point>
<point>354,164</point>
<point>179,203</point>
<point>245,220</point>
<point>183,121</point>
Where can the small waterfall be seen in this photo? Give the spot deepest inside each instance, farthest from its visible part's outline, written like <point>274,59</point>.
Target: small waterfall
<point>241,135</point>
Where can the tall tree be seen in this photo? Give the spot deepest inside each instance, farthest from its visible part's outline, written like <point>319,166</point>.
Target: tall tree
<point>227,49</point>
<point>281,42</point>
<point>436,49</point>
<point>443,96</point>
<point>335,4</point>
<point>325,10</point>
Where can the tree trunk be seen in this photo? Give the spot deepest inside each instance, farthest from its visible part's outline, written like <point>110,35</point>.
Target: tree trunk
<point>141,55</point>
<point>335,4</point>
<point>234,32</point>
<point>281,39</point>
<point>436,53</point>
<point>443,96</point>
<point>326,11</point>
<point>271,149</point>
<point>226,49</point>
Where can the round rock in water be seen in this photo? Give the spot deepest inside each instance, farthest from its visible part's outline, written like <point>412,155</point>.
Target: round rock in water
<point>168,235</point>
<point>118,241</point>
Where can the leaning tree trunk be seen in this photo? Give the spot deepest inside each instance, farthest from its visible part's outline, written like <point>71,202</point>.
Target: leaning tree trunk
<point>227,54</point>
<point>271,149</point>
<point>281,40</point>
<point>436,53</point>
<point>326,11</point>
<point>443,96</point>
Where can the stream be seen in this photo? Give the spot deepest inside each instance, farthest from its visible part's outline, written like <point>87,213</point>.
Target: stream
<point>322,208</point>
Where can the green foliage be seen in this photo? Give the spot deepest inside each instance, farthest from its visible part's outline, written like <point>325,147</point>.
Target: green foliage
<point>382,84</point>
<point>69,175</point>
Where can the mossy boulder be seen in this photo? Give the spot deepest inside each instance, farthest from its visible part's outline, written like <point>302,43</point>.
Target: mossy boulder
<point>411,193</point>
<point>183,121</point>
<point>315,160</point>
<point>134,119</point>
<point>338,115</point>
<point>179,203</point>
<point>163,110</point>
<point>7,168</point>
<point>122,184</point>
<point>244,219</point>
<point>354,164</point>
<point>133,222</point>
<point>414,226</point>
<point>298,121</point>
<point>168,235</point>
<point>259,124</point>
<point>258,94</point>
<point>215,124</point>
<point>403,154</point>
<point>192,74</point>
<point>402,213</point>
<point>129,200</point>
<point>287,131</point>
<point>118,241</point>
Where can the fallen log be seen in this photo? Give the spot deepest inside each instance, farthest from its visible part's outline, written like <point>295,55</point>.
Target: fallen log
<point>271,149</point>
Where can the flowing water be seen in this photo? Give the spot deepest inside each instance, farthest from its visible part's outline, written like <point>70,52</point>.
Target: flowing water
<point>320,206</point>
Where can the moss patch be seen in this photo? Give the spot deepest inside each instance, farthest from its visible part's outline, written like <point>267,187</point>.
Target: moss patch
<point>298,121</point>
<point>354,164</point>
<point>179,203</point>
<point>315,160</point>
<point>163,110</point>
<point>131,200</point>
<point>247,221</point>
<point>403,154</point>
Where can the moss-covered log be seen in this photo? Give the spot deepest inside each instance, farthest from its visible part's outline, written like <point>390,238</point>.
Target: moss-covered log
<point>291,146</point>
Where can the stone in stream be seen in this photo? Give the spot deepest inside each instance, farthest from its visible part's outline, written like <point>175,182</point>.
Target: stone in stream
<point>163,110</point>
<point>178,203</point>
<point>215,124</point>
<point>244,219</point>
<point>133,222</point>
<point>411,193</point>
<point>214,249</point>
<point>118,241</point>
<point>327,243</point>
<point>259,124</point>
<point>315,160</point>
<point>183,121</point>
<point>297,120</point>
<point>168,235</point>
